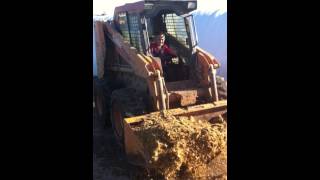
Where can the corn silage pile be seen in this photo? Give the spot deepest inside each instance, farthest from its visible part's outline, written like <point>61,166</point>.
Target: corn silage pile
<point>183,147</point>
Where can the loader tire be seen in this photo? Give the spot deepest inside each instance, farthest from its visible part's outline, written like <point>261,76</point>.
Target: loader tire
<point>126,102</point>
<point>101,99</point>
<point>222,88</point>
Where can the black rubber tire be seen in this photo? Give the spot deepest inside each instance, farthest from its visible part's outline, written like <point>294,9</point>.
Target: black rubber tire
<point>222,91</point>
<point>126,102</point>
<point>101,99</point>
<point>222,88</point>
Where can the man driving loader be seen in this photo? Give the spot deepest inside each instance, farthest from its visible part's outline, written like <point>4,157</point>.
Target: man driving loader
<point>160,49</point>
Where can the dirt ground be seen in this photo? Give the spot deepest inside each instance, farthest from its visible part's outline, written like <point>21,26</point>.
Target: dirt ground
<point>108,161</point>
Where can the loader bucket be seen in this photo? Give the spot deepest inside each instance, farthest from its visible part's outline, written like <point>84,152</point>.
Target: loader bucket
<point>134,148</point>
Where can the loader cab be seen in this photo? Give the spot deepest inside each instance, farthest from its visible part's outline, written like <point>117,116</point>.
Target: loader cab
<point>179,36</point>
<point>179,30</point>
<point>140,22</point>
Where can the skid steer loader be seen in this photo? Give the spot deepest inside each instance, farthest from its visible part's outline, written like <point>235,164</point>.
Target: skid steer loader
<point>133,84</point>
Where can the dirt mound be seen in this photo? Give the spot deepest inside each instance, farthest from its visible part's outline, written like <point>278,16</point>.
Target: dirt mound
<point>184,147</point>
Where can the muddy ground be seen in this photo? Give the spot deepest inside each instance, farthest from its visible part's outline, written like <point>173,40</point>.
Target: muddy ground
<point>108,162</point>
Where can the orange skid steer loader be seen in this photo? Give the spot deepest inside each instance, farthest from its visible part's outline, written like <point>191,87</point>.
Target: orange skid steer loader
<point>132,84</point>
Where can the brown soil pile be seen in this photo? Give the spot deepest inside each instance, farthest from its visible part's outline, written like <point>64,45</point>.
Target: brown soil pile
<point>184,147</point>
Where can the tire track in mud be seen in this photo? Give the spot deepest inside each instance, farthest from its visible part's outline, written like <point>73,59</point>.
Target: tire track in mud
<point>108,162</point>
